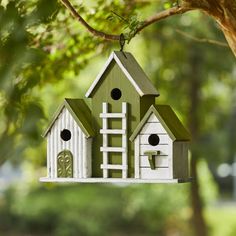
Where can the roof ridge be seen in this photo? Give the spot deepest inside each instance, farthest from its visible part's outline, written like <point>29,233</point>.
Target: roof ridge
<point>168,119</point>
<point>132,70</point>
<point>82,117</point>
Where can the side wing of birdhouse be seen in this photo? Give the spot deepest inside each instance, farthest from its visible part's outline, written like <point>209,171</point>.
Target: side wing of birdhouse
<point>69,141</point>
<point>161,146</point>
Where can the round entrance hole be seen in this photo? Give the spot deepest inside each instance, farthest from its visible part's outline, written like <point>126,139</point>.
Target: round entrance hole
<point>116,94</point>
<point>65,135</point>
<point>153,139</point>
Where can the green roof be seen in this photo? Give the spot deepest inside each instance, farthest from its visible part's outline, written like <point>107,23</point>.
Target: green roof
<point>168,119</point>
<point>80,112</point>
<point>133,72</point>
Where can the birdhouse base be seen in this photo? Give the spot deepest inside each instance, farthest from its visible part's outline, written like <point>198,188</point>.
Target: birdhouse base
<point>114,180</point>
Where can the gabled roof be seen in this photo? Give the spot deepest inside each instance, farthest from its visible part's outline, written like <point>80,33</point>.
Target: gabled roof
<point>133,72</point>
<point>80,112</point>
<point>168,119</point>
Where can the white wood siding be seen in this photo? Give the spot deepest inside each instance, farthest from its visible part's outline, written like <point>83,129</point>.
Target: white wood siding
<point>160,161</point>
<point>153,118</point>
<point>78,145</point>
<point>159,173</point>
<point>163,149</point>
<point>154,127</point>
<point>163,161</point>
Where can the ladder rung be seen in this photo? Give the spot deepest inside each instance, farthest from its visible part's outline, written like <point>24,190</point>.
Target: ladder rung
<point>112,131</point>
<point>112,149</point>
<point>114,167</point>
<point>112,115</point>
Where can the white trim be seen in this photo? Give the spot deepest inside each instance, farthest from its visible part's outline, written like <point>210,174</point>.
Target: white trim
<point>112,115</point>
<point>128,76</point>
<point>114,180</point>
<point>112,131</point>
<point>113,167</point>
<point>105,132</point>
<point>105,139</point>
<point>99,75</point>
<point>124,142</point>
<point>112,149</point>
<point>113,56</point>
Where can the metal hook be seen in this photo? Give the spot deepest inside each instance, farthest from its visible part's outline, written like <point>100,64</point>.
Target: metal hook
<point>122,42</point>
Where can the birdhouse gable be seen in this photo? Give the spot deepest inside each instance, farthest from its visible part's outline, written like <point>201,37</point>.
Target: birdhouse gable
<point>133,72</point>
<point>80,113</point>
<point>165,121</point>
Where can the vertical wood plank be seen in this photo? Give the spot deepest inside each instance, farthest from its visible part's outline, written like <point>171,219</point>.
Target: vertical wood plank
<point>54,141</point>
<point>57,134</point>
<point>76,154</point>
<point>84,157</point>
<point>58,137</point>
<point>89,156</point>
<point>48,160</point>
<point>67,143</point>
<point>80,153</point>
<point>136,158</point>
<point>55,145</point>
<point>51,155</point>
<point>124,141</point>
<point>105,139</point>
<point>49,168</point>
<point>60,129</point>
<point>63,127</point>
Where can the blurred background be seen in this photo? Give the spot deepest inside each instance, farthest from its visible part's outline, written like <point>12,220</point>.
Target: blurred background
<point>46,55</point>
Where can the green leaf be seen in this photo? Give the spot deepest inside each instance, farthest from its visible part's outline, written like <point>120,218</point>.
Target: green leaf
<point>167,5</point>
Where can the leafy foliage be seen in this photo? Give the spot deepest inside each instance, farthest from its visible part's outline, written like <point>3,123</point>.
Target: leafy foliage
<point>39,45</point>
<point>17,79</point>
<point>72,210</point>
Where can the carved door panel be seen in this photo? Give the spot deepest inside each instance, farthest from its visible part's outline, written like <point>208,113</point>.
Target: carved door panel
<point>65,164</point>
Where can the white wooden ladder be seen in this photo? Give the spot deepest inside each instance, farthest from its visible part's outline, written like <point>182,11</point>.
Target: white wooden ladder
<point>105,131</point>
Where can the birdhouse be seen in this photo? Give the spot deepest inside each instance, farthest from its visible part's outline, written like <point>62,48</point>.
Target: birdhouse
<point>125,137</point>
<point>69,141</point>
<point>161,146</point>
<point>121,94</point>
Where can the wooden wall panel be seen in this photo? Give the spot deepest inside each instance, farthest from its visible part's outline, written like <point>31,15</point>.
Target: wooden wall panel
<point>77,145</point>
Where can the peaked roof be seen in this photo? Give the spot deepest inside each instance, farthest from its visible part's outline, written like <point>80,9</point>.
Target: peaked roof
<point>80,112</point>
<point>133,72</point>
<point>168,119</point>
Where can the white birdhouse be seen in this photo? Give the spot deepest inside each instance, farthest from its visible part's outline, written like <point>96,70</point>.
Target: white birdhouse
<point>69,141</point>
<point>161,146</point>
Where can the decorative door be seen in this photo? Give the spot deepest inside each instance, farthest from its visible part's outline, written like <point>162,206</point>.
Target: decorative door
<point>65,164</point>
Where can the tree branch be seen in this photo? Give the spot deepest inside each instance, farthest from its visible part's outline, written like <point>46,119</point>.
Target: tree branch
<point>202,40</point>
<point>223,12</point>
<point>177,10</point>
<point>93,31</point>
<point>159,16</point>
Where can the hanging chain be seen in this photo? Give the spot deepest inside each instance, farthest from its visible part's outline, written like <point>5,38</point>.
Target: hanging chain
<point>122,42</point>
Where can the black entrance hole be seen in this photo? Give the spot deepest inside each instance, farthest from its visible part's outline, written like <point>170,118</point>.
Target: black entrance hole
<point>153,139</point>
<point>116,94</point>
<point>65,135</point>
